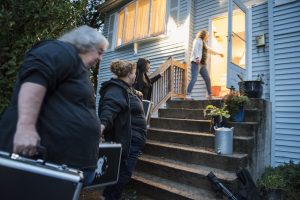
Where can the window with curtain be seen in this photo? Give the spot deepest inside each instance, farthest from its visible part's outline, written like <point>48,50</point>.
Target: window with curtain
<point>158,14</point>
<point>141,19</point>
<point>120,28</point>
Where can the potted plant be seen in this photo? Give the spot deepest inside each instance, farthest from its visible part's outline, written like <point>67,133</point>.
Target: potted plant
<point>281,182</point>
<point>235,105</point>
<point>251,88</point>
<point>216,115</point>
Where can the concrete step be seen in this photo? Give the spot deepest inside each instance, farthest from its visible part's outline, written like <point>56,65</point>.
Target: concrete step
<point>196,155</point>
<point>201,104</point>
<point>252,115</point>
<point>240,128</point>
<point>196,139</point>
<point>163,189</point>
<point>185,173</point>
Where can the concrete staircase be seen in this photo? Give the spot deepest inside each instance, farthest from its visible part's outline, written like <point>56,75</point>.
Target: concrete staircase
<point>179,152</point>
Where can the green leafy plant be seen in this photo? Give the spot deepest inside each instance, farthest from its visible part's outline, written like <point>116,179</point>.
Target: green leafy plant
<point>234,102</point>
<point>24,23</point>
<point>212,111</point>
<point>284,177</point>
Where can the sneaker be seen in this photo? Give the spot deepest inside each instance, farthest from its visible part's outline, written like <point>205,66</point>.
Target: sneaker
<point>188,97</point>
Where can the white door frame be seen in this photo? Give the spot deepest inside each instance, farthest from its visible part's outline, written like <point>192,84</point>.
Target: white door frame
<point>230,65</point>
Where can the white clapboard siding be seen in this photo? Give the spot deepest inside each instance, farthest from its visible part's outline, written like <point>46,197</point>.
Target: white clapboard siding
<point>260,56</point>
<point>157,51</point>
<point>285,87</point>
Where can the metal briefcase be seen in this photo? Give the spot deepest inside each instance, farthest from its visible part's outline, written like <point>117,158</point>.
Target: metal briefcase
<point>27,179</point>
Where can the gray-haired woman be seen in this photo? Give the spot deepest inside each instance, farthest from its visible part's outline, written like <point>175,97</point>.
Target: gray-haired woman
<point>53,102</point>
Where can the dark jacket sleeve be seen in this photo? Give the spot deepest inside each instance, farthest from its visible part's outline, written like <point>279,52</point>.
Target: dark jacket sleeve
<point>112,102</point>
<point>155,78</point>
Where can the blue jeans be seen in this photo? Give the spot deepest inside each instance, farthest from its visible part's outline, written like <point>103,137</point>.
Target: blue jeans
<point>114,192</point>
<point>89,176</point>
<point>204,73</point>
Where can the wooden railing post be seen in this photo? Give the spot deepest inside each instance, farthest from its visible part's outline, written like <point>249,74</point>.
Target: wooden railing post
<point>172,76</point>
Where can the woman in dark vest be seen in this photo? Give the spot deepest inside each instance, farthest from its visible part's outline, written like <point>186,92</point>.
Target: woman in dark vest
<point>142,82</point>
<point>198,62</point>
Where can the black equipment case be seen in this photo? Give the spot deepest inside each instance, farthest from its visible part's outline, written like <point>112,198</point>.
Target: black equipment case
<point>28,179</point>
<point>108,165</point>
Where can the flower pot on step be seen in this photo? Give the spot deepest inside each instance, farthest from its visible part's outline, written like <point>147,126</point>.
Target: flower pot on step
<point>251,89</point>
<point>239,116</point>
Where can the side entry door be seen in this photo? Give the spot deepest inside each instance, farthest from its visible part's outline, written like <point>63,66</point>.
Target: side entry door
<point>237,43</point>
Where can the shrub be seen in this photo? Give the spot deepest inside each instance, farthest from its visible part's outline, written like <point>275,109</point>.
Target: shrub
<point>25,22</point>
<point>285,177</point>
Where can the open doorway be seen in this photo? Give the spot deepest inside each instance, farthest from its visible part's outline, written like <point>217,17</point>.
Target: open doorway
<point>219,42</point>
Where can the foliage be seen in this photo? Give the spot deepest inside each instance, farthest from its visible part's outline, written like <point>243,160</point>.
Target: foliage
<point>25,22</point>
<point>285,177</point>
<point>211,111</point>
<point>93,18</point>
<point>235,101</point>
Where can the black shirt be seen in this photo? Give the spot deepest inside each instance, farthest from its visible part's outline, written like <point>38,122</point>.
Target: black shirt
<point>67,123</point>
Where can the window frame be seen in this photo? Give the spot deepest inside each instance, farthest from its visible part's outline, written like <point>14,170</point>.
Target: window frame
<point>112,43</point>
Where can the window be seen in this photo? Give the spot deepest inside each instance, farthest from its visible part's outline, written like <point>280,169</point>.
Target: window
<point>110,32</point>
<point>141,19</point>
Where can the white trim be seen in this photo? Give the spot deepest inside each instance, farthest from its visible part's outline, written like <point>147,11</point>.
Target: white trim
<point>149,21</point>
<point>210,19</point>
<point>272,77</point>
<point>229,51</point>
<point>249,44</point>
<point>190,21</point>
<point>114,32</point>
<point>114,43</point>
<point>281,2</point>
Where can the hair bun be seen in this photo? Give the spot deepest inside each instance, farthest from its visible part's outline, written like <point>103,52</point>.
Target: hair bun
<point>121,68</point>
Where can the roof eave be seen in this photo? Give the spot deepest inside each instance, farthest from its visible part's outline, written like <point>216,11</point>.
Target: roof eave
<point>111,4</point>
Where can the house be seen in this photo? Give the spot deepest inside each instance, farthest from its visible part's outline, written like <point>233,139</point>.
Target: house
<point>265,39</point>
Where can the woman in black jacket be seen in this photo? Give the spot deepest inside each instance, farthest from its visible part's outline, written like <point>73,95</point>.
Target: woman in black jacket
<point>143,83</point>
<point>123,121</point>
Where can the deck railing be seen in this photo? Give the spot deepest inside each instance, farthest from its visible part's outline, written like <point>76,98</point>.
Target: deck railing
<point>172,83</point>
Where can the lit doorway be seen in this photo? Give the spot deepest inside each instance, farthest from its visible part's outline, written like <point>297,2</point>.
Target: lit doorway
<point>219,42</point>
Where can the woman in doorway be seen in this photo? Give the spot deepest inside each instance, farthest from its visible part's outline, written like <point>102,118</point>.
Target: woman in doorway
<point>143,83</point>
<point>199,62</point>
<point>122,120</point>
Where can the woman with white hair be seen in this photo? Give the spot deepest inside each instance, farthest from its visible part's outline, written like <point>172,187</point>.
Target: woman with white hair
<point>53,102</point>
